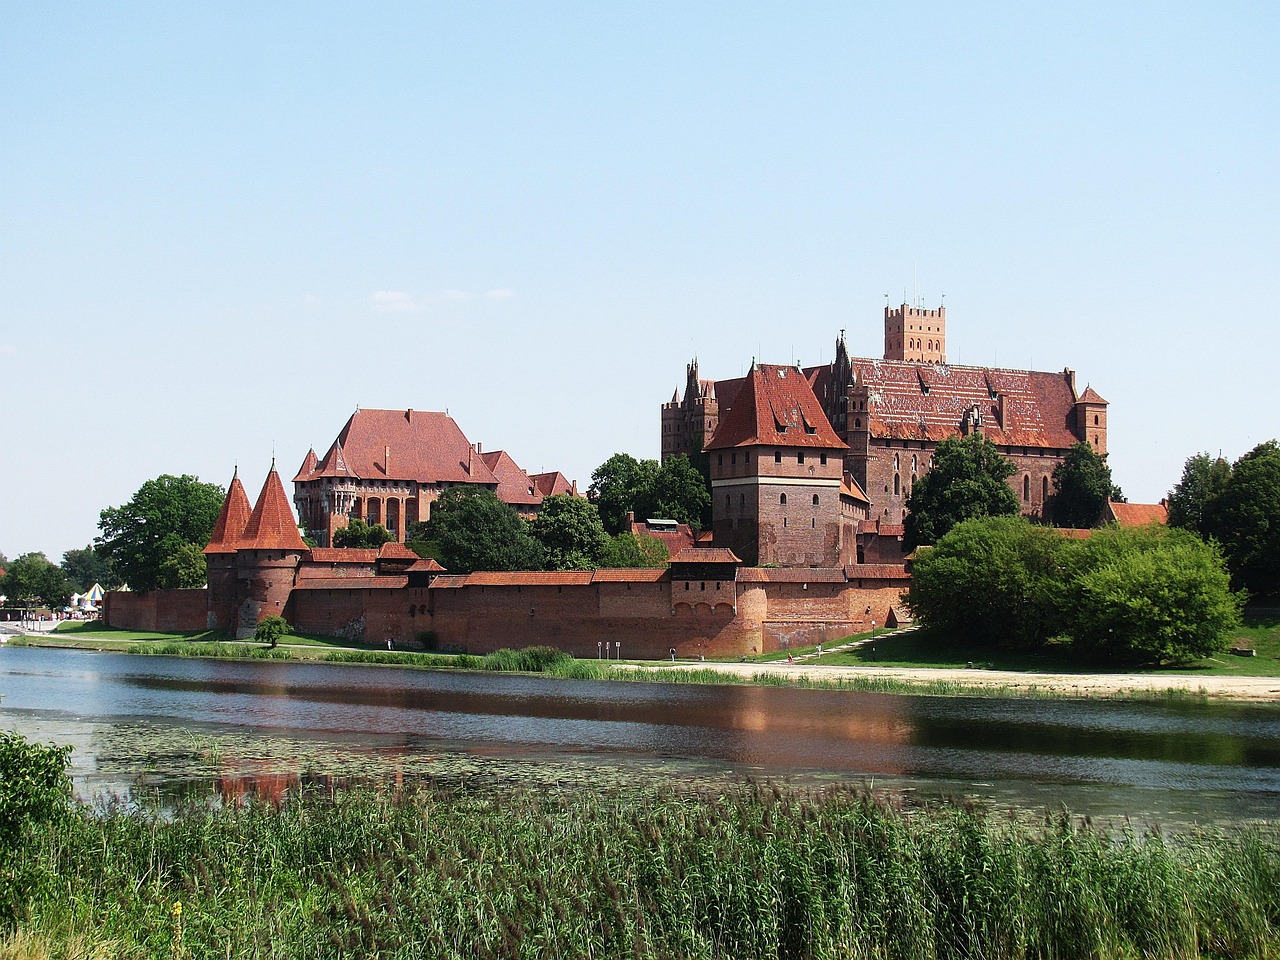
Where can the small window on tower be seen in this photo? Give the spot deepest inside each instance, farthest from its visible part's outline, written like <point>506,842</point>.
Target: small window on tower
<point>777,456</point>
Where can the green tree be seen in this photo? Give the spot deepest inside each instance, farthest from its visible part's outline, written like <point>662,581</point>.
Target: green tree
<point>620,485</point>
<point>992,580</point>
<point>1150,595</point>
<point>476,531</point>
<point>1245,519</point>
<point>360,535</point>
<point>271,629</point>
<point>570,532</point>
<point>33,579</point>
<point>147,541</point>
<point>968,480</point>
<point>1203,480</point>
<point>679,492</point>
<point>1081,486</point>
<point>34,789</point>
<point>3,559</point>
<point>632,550</point>
<point>86,567</point>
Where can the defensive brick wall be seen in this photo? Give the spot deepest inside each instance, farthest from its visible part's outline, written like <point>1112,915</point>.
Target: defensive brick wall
<point>159,611</point>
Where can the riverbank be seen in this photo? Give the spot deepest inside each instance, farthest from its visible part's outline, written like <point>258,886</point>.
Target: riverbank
<point>808,672</point>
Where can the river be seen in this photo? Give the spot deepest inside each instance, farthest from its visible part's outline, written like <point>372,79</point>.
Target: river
<point>161,723</point>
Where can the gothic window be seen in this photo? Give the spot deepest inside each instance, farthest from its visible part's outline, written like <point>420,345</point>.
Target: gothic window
<point>896,485</point>
<point>857,423</point>
<point>1095,419</point>
<point>1026,487</point>
<point>782,499</point>
<point>815,499</point>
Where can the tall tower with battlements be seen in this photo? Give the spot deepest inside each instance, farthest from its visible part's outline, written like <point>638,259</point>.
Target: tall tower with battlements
<point>915,334</point>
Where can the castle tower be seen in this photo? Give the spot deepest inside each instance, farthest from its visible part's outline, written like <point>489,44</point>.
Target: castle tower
<point>776,466</point>
<point>915,334</point>
<point>220,556</point>
<point>689,422</point>
<point>1091,420</point>
<point>267,558</point>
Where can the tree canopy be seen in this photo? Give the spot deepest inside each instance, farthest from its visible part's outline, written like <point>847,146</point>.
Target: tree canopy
<point>674,490</point>
<point>360,535</point>
<point>1245,519</point>
<point>1149,595</point>
<point>570,532</point>
<point>474,530</point>
<point>635,550</point>
<point>1203,479</point>
<point>1081,486</point>
<point>85,567</point>
<point>31,578</point>
<point>968,480</point>
<point>154,541</point>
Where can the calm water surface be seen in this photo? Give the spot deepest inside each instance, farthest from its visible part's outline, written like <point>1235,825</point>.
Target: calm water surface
<point>160,721</point>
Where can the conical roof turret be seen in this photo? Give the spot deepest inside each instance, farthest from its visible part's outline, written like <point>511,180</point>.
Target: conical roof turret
<point>228,529</point>
<point>272,525</point>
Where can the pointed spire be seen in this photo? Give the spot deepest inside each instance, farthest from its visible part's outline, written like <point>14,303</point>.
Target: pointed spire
<point>272,526</point>
<point>308,467</point>
<point>228,529</point>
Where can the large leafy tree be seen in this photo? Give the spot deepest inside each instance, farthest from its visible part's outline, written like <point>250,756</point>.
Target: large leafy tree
<point>1081,486</point>
<point>86,566</point>
<point>1149,595</point>
<point>992,580</point>
<point>968,480</point>
<point>1203,480</point>
<point>675,490</point>
<point>32,578</point>
<point>620,485</point>
<point>570,532</point>
<point>154,541</point>
<point>474,530</point>
<point>361,535</point>
<point>1245,519</point>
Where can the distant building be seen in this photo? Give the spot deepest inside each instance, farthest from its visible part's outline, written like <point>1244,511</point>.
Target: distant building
<point>1136,514</point>
<point>389,466</point>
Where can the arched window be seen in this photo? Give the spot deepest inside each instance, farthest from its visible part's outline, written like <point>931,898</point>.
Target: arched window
<point>782,499</point>
<point>727,501</point>
<point>1095,419</point>
<point>896,485</point>
<point>857,423</point>
<point>815,499</point>
<point>1026,487</point>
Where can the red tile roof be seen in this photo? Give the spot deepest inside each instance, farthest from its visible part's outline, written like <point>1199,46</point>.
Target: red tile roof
<point>551,484</point>
<point>342,555</point>
<point>514,485</point>
<point>849,488</point>
<point>428,565</point>
<point>334,464</point>
<point>309,464</point>
<point>530,578</point>
<point>1090,396</point>
<point>1138,514</point>
<point>228,529</point>
<point>775,406</point>
<point>791,575</point>
<point>353,583</point>
<point>706,555</point>
<point>419,445</point>
<point>396,551</point>
<point>876,571</point>
<point>272,525</point>
<point>631,575</point>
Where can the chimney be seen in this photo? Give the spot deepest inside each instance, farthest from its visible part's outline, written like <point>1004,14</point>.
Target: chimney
<point>574,488</point>
<point>1071,380</point>
<point>408,414</point>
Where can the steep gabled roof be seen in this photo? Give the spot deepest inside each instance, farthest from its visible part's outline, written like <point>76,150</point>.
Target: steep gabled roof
<point>228,529</point>
<point>271,525</point>
<point>309,464</point>
<point>514,485</point>
<point>334,464</point>
<point>416,445</point>
<point>775,406</point>
<point>551,484</point>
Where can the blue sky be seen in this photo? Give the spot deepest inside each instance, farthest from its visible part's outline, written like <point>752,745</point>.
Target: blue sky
<point>223,227</point>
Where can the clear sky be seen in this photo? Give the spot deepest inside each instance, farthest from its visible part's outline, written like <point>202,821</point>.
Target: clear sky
<point>225,226</point>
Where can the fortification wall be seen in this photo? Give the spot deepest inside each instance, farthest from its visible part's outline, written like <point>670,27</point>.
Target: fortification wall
<point>158,611</point>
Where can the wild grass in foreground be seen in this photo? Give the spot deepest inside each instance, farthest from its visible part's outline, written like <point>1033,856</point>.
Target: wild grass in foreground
<point>755,871</point>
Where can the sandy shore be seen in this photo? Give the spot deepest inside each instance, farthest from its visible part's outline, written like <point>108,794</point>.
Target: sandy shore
<point>1256,689</point>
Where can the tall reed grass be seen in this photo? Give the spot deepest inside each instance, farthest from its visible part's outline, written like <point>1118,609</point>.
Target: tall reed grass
<point>756,871</point>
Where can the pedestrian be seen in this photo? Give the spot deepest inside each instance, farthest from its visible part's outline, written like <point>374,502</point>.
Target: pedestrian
<point>672,651</point>
<point>388,643</point>
<point>790,659</point>
<point>819,649</point>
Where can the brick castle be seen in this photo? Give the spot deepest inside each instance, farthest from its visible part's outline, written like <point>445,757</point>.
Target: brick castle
<point>810,469</point>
